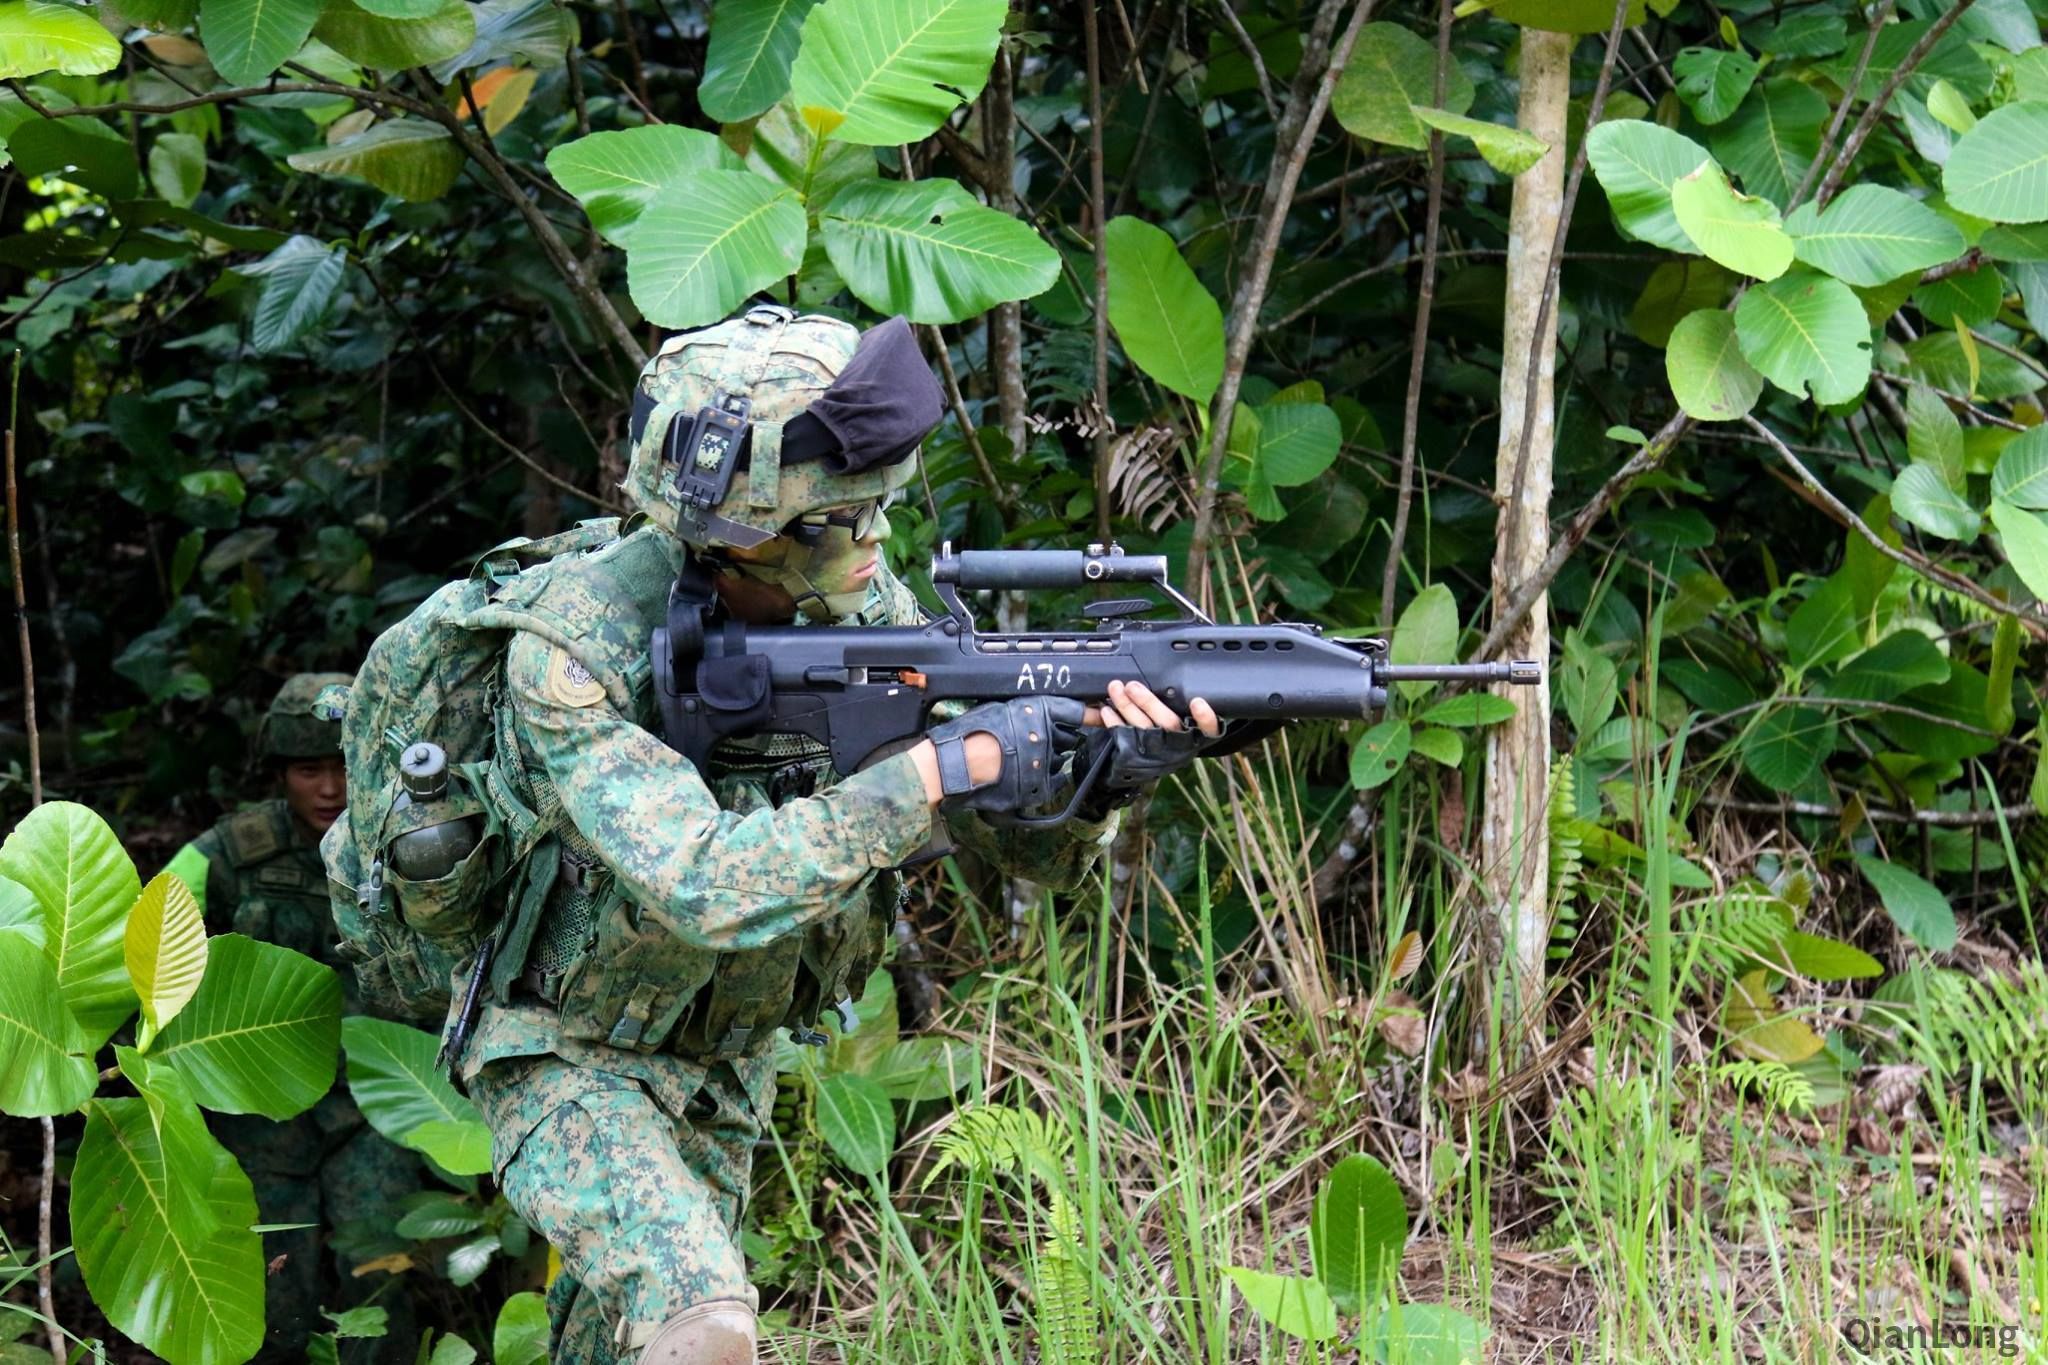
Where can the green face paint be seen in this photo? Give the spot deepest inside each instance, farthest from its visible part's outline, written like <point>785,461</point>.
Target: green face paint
<point>820,576</point>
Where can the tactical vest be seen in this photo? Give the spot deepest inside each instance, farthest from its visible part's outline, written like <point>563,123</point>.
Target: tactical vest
<point>574,939</point>
<point>280,886</point>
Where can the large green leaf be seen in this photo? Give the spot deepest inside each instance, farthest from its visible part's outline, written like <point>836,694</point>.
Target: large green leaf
<point>1296,443</point>
<point>928,250</point>
<point>1805,330</point>
<point>1922,913</point>
<point>614,175</point>
<point>82,880</point>
<point>392,43</point>
<point>1898,663</point>
<point>165,950</point>
<point>1824,627</point>
<point>1969,298</point>
<point>189,1148</point>
<point>1871,235</point>
<point>1427,633</point>
<point>535,31</point>
<point>1921,497</point>
<point>1170,326</point>
<point>177,167</point>
<point>1390,72</point>
<point>300,280</point>
<point>704,244</point>
<point>80,151</point>
<point>407,157</point>
<point>1637,163</point>
<point>41,1069</point>
<point>1774,138</point>
<point>1709,376</point>
<point>1739,231</point>
<point>746,67</point>
<point>1787,745</point>
<point>858,1124</point>
<point>2024,536</point>
<point>1674,291</point>
<point>22,917</point>
<point>892,70</point>
<point>924,1068</point>
<point>1759,1029</point>
<point>193,1296</point>
<point>260,1037</point>
<point>1357,1231</point>
<point>1296,1304</point>
<point>1508,150</point>
<point>246,40</point>
<point>393,1078</point>
<point>2021,474</point>
<point>1713,81</point>
<point>1380,752</point>
<point>521,1334</point>
<point>1934,436</point>
<point>1999,169</point>
<point>36,37</point>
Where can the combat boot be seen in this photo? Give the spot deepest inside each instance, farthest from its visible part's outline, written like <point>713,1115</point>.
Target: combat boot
<point>720,1332</point>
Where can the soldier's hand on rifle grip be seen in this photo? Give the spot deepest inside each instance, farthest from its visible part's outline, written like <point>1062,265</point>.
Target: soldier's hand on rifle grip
<point>1134,704</point>
<point>1027,735</point>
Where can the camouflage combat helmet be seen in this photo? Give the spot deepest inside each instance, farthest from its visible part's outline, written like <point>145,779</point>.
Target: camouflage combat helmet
<point>749,385</point>
<point>291,729</point>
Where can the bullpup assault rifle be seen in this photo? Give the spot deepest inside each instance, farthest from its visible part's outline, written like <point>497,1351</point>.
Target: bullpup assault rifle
<point>865,692</point>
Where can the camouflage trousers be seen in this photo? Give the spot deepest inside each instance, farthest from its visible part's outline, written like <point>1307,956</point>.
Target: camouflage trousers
<point>642,1203</point>
<point>327,1167</point>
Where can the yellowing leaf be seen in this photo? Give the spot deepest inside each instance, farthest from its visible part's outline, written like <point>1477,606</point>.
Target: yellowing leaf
<point>821,121</point>
<point>1968,341</point>
<point>165,949</point>
<point>1751,1016</point>
<point>1406,957</point>
<point>501,94</point>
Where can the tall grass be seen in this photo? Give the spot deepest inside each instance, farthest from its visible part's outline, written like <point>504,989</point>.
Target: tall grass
<point>1639,1194</point>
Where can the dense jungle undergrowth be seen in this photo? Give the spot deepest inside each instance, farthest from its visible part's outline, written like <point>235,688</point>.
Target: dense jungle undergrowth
<point>1688,1008</point>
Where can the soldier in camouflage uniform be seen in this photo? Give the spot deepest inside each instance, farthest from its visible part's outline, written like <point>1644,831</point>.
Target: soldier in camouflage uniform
<point>258,872</point>
<point>672,919</point>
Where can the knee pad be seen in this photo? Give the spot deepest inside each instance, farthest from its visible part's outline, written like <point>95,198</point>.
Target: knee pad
<point>720,1332</point>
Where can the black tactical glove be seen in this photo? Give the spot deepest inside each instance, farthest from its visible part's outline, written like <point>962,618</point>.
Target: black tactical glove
<point>1034,733</point>
<point>1136,756</point>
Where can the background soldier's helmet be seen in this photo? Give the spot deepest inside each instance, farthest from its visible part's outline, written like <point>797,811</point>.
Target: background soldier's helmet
<point>291,728</point>
<point>819,413</point>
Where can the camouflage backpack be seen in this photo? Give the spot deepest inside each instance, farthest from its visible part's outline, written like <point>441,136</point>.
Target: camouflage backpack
<point>434,677</point>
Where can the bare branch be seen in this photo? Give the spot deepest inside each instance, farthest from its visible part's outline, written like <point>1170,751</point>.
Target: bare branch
<point>1864,125</point>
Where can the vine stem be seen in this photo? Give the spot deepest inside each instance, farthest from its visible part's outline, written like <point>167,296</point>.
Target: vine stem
<point>1418,345</point>
<point>1865,124</point>
<point>47,1192</point>
<point>1844,514</point>
<point>1310,98</point>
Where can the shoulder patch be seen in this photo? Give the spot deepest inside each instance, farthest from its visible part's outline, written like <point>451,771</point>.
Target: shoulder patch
<point>570,683</point>
<point>256,833</point>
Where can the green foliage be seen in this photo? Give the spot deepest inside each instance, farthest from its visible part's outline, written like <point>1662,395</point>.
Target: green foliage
<point>1391,74</point>
<point>68,859</point>
<point>1169,325</point>
<point>260,1035</point>
<point>928,250</point>
<point>890,71</point>
<point>44,35</point>
<point>614,175</point>
<point>395,1082</point>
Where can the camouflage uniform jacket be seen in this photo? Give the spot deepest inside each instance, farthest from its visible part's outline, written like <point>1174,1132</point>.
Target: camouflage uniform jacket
<point>701,915</point>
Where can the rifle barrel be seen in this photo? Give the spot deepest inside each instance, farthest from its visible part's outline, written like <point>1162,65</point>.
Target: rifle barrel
<point>1522,672</point>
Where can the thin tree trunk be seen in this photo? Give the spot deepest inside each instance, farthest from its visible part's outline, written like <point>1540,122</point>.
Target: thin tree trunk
<point>1513,844</point>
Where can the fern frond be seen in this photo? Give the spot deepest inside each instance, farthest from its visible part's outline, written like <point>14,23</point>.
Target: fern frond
<point>1997,1024</point>
<point>998,1139</point>
<point>1567,858</point>
<point>1781,1086</point>
<point>1067,1321</point>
